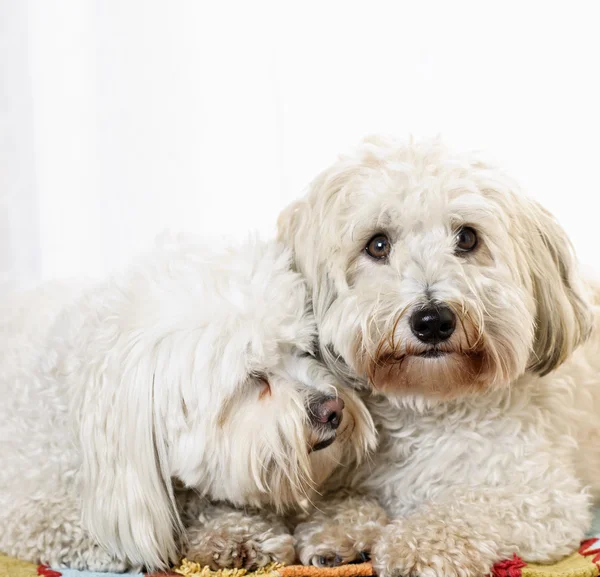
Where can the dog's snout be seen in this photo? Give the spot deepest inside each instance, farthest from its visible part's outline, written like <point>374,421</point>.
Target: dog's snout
<point>328,411</point>
<point>433,324</point>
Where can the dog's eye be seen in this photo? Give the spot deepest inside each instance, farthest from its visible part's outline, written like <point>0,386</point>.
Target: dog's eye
<point>306,354</point>
<point>379,247</point>
<point>263,380</point>
<point>466,239</point>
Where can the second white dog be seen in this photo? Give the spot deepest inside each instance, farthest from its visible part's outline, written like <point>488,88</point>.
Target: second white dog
<point>192,369</point>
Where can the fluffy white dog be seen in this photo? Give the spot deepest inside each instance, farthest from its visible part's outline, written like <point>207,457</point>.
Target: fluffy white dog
<point>193,369</point>
<point>455,303</point>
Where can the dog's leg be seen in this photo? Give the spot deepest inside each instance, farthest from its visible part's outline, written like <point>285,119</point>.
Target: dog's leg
<point>49,531</point>
<point>221,536</point>
<point>469,530</point>
<point>342,530</point>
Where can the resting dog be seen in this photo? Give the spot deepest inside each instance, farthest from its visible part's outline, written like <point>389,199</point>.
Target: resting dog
<point>455,303</point>
<point>193,370</point>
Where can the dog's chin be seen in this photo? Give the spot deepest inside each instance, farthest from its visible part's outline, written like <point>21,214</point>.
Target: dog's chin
<point>433,372</point>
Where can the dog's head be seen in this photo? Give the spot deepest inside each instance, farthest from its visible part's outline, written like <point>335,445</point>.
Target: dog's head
<point>430,273</point>
<point>206,375</point>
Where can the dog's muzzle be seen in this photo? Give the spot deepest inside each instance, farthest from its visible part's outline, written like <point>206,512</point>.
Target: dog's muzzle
<point>326,414</point>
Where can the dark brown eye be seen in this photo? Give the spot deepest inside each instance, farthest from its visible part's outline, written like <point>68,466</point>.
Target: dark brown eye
<point>466,239</point>
<point>379,247</point>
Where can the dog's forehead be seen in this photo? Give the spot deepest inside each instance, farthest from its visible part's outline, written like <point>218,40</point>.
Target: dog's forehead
<point>417,198</point>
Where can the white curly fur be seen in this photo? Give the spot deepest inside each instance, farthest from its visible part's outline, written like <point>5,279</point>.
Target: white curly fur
<point>493,446</point>
<point>193,367</point>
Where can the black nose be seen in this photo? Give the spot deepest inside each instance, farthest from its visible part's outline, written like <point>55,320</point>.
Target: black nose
<point>433,324</point>
<point>327,411</point>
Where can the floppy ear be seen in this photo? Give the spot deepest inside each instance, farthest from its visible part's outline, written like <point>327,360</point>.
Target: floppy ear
<point>297,226</point>
<point>290,224</point>
<point>128,499</point>
<point>563,317</point>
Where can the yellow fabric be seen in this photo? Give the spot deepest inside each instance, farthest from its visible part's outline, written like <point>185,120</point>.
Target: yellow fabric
<point>10,567</point>
<point>575,565</point>
<point>191,569</point>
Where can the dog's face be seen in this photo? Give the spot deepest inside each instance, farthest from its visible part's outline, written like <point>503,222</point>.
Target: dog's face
<point>431,275</point>
<point>274,424</point>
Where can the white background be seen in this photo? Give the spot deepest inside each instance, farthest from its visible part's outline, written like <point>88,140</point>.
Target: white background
<point>121,118</point>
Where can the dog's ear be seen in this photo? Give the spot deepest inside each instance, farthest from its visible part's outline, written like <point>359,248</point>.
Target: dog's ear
<point>563,317</point>
<point>128,499</point>
<point>291,224</point>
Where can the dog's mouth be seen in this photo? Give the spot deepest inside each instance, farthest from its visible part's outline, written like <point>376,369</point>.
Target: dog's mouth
<point>322,444</point>
<point>432,353</point>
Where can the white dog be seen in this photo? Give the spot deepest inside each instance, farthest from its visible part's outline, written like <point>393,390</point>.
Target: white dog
<point>452,300</point>
<point>192,369</point>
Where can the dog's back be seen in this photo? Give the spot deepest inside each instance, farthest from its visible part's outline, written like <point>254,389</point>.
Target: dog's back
<point>32,414</point>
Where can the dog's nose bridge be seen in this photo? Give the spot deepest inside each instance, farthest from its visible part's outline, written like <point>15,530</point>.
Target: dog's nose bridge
<point>430,271</point>
<point>429,259</point>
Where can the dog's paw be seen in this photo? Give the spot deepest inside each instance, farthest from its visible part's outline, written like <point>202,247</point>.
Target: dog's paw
<point>332,545</point>
<point>342,531</point>
<point>238,550</point>
<point>437,550</point>
<point>337,543</point>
